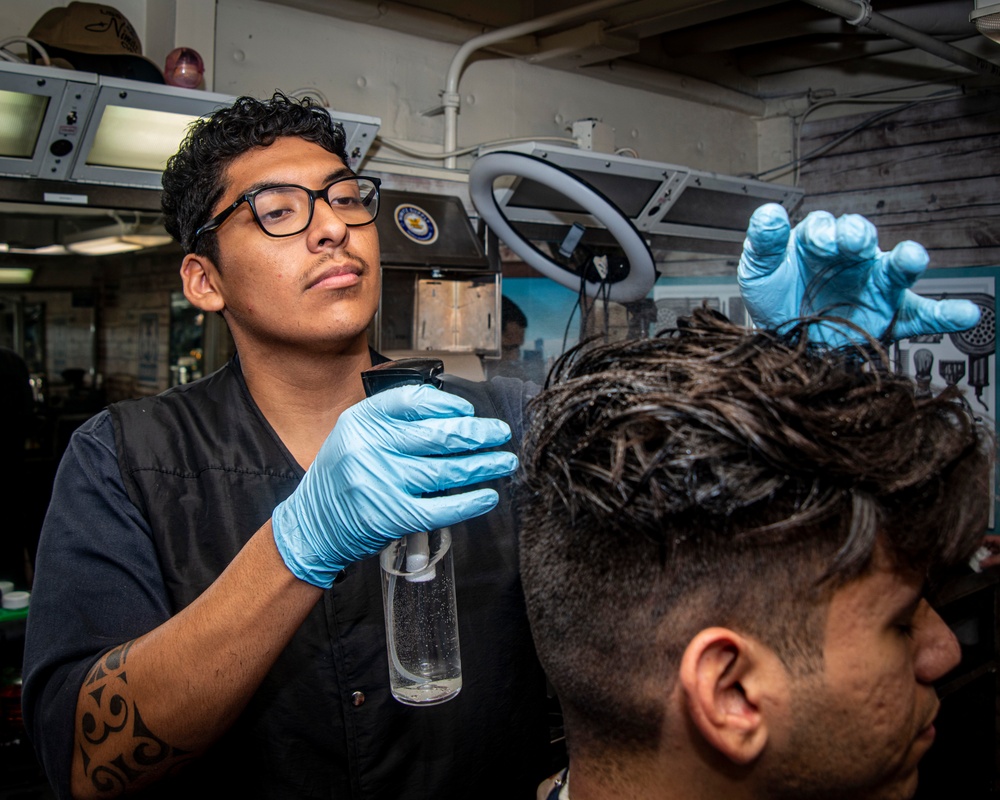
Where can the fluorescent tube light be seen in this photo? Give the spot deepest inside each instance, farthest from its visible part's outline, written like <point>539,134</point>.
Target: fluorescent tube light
<point>20,275</point>
<point>137,138</point>
<point>21,117</point>
<point>102,246</point>
<point>120,238</point>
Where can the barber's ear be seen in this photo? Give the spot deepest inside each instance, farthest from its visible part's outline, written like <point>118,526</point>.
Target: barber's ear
<point>729,681</point>
<point>199,279</point>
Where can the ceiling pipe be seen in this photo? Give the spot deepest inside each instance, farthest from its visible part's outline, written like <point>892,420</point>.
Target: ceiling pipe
<point>450,98</point>
<point>859,12</point>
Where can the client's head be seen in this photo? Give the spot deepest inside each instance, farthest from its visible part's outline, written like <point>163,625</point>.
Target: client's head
<point>725,540</point>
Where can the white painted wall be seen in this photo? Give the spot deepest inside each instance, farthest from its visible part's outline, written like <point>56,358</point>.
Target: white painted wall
<point>261,47</point>
<point>253,47</point>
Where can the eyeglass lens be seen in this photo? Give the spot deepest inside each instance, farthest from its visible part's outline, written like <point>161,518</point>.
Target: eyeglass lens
<point>286,210</point>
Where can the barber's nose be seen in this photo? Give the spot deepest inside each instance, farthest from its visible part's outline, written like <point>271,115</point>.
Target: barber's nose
<point>326,226</point>
<point>938,651</point>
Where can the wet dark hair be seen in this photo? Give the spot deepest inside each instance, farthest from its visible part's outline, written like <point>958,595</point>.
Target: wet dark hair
<point>193,178</point>
<point>716,476</point>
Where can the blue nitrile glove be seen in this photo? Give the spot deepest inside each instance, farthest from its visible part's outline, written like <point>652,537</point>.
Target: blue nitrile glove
<point>835,267</point>
<point>367,483</point>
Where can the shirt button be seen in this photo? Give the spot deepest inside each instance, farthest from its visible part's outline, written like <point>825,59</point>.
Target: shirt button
<point>358,699</point>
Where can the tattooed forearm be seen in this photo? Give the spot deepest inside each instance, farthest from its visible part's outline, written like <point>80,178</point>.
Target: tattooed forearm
<point>117,750</point>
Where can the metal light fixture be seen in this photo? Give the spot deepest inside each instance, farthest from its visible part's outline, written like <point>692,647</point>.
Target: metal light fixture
<point>16,275</point>
<point>986,18</point>
<point>121,237</point>
<point>80,127</point>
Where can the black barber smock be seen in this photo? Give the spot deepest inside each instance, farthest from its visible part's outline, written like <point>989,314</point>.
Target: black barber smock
<point>323,724</point>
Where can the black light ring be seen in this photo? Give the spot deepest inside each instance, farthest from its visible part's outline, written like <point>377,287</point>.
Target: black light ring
<point>642,268</point>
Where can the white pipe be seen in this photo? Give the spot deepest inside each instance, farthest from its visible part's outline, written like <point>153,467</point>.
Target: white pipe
<point>858,12</point>
<point>450,97</point>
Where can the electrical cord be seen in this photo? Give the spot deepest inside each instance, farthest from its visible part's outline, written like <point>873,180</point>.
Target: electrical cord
<point>572,313</point>
<point>8,56</point>
<point>796,163</point>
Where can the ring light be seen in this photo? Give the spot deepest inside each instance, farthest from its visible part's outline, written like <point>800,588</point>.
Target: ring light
<point>642,271</point>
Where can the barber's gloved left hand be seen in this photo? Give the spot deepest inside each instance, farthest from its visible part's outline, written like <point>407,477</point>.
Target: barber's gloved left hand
<point>834,267</point>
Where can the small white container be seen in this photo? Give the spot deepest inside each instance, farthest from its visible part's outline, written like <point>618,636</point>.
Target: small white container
<point>15,600</point>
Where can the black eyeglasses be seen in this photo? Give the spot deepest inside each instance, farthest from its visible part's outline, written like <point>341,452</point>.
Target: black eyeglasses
<point>288,209</point>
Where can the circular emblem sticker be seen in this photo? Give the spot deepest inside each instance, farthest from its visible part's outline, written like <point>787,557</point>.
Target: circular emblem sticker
<point>416,224</point>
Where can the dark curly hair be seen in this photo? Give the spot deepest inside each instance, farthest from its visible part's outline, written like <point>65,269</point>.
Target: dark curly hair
<point>715,476</point>
<point>193,178</point>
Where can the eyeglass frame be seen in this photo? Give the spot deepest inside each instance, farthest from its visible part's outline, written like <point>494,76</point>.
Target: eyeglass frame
<point>249,197</point>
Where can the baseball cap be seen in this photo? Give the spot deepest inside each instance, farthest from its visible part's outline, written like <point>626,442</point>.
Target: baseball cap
<point>94,38</point>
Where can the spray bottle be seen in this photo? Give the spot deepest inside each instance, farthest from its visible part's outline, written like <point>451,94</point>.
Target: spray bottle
<point>418,582</point>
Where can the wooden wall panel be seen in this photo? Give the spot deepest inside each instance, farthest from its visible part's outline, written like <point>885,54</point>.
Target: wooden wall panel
<point>930,173</point>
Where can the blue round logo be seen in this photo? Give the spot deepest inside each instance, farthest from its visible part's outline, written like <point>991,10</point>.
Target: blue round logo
<point>416,224</point>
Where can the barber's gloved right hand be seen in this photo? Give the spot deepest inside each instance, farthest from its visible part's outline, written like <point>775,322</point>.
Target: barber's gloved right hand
<point>367,484</point>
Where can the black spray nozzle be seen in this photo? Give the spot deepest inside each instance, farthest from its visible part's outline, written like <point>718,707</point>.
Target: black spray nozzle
<point>404,372</point>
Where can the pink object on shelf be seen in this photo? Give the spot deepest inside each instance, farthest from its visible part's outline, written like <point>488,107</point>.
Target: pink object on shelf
<point>184,67</point>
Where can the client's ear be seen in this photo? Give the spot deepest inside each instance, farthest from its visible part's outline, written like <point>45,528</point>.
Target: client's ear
<point>729,682</point>
<point>199,279</point>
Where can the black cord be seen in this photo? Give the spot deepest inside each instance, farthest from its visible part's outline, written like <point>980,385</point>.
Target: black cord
<point>813,154</point>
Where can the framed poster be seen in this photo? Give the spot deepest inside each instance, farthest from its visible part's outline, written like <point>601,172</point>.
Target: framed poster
<point>966,359</point>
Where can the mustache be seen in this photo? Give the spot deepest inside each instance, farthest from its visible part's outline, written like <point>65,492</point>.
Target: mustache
<point>347,261</point>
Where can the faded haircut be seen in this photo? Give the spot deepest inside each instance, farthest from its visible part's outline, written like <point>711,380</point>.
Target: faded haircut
<point>715,476</point>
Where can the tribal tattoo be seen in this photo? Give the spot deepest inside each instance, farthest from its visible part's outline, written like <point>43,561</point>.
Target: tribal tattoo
<point>109,714</point>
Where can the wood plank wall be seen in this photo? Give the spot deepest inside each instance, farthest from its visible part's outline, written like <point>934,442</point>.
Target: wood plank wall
<point>930,173</point>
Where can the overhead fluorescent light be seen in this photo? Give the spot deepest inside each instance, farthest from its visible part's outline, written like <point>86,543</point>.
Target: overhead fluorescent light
<point>659,199</point>
<point>43,111</point>
<point>122,237</point>
<point>137,138</point>
<point>21,118</point>
<point>146,240</point>
<point>986,18</point>
<point>47,250</point>
<point>102,246</point>
<point>65,125</point>
<point>147,236</point>
<point>19,275</point>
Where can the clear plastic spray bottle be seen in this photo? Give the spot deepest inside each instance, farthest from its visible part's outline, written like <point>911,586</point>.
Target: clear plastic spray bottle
<point>418,582</point>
